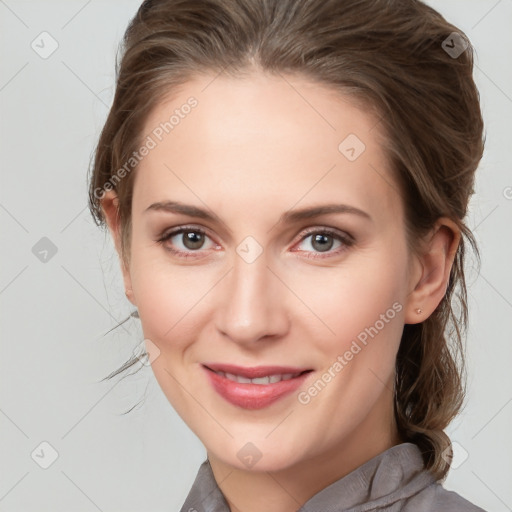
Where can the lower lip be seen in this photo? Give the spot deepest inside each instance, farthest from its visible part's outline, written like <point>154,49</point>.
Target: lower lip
<point>253,396</point>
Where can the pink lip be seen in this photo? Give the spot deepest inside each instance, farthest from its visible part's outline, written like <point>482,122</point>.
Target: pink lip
<point>253,396</point>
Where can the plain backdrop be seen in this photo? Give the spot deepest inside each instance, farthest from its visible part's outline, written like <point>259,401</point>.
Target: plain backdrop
<point>61,289</point>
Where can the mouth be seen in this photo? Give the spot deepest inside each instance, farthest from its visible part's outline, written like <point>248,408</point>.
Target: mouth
<point>254,387</point>
<point>257,374</point>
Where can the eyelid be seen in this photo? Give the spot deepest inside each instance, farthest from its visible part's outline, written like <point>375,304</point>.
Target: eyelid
<point>343,235</point>
<point>167,233</point>
<point>346,240</point>
<point>172,232</point>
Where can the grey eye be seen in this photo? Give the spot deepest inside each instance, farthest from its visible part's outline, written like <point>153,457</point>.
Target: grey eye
<point>321,242</point>
<point>192,239</point>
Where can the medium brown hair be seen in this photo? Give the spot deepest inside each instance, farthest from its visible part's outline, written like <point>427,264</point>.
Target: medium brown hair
<point>388,54</point>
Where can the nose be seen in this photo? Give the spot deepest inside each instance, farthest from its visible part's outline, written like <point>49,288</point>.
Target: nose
<point>254,305</point>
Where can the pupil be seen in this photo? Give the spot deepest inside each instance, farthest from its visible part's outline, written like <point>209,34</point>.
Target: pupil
<point>193,240</point>
<point>324,240</point>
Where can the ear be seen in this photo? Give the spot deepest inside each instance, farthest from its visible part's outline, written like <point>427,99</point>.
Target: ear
<point>431,274</point>
<point>110,208</point>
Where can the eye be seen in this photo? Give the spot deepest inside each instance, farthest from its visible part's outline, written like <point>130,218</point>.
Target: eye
<point>323,241</point>
<point>189,241</point>
<point>185,240</point>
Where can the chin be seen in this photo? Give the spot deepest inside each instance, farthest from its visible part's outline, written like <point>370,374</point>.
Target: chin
<point>259,455</point>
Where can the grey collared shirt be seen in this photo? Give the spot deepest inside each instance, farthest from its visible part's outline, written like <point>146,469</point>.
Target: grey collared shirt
<point>393,481</point>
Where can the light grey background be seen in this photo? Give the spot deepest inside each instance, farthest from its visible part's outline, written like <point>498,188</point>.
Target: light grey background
<point>54,314</point>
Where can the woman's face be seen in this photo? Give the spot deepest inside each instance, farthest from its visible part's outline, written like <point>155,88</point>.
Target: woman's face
<point>262,277</point>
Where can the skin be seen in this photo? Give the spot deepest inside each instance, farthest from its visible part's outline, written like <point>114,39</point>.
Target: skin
<point>253,149</point>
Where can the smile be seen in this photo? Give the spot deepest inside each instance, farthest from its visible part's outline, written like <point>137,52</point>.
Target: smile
<point>254,388</point>
<point>270,379</point>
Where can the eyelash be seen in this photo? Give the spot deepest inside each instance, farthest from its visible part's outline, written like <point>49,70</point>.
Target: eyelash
<point>347,241</point>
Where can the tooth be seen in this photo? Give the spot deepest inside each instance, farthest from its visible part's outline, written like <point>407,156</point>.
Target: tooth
<point>272,379</point>
<point>261,380</point>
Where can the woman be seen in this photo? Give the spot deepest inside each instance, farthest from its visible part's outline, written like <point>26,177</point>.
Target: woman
<point>286,183</point>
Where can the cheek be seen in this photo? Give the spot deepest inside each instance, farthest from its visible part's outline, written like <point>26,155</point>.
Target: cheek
<point>363,306</point>
<point>361,293</point>
<point>169,298</point>
<point>169,304</point>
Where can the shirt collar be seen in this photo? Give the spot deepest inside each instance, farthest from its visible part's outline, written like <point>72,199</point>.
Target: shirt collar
<point>391,476</point>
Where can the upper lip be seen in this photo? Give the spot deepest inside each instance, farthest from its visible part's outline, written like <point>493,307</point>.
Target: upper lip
<point>254,372</point>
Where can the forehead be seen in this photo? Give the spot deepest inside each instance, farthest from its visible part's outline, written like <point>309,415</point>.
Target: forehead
<point>274,137</point>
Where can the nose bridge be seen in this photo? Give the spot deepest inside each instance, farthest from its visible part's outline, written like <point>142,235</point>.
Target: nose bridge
<point>254,305</point>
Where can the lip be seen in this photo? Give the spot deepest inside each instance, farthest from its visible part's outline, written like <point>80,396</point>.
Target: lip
<point>253,396</point>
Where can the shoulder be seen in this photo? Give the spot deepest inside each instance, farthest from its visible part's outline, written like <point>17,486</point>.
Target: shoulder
<point>435,498</point>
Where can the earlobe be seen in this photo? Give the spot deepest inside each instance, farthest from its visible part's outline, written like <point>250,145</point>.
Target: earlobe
<point>436,263</point>
<point>110,208</point>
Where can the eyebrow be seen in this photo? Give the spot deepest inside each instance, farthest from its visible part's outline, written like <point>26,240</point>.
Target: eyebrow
<point>288,217</point>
